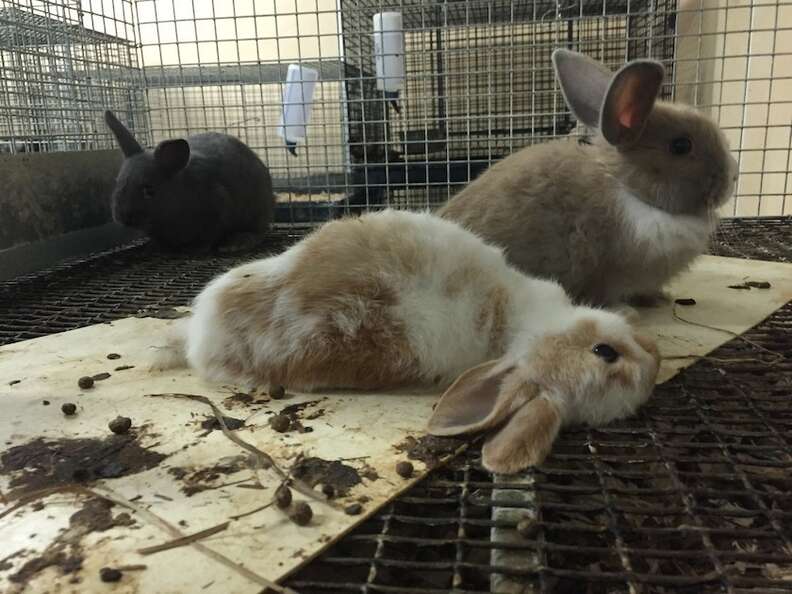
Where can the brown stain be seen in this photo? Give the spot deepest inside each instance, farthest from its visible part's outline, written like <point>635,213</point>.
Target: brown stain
<point>429,449</point>
<point>44,463</point>
<point>162,313</point>
<point>238,399</point>
<point>197,480</point>
<point>210,424</point>
<point>66,551</point>
<point>295,411</point>
<point>314,471</point>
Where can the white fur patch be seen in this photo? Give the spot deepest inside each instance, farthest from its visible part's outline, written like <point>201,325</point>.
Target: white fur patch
<point>663,234</point>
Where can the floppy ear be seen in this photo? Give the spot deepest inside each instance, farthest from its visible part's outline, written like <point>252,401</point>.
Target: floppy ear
<point>474,402</point>
<point>172,155</point>
<point>629,101</point>
<point>583,83</point>
<point>525,440</point>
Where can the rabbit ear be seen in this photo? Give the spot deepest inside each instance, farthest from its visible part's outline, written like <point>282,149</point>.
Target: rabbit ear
<point>129,146</point>
<point>583,82</point>
<point>629,101</point>
<point>172,155</point>
<point>525,440</point>
<point>475,401</point>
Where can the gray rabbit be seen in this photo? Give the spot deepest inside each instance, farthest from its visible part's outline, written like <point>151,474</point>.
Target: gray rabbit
<point>208,190</point>
<point>614,218</point>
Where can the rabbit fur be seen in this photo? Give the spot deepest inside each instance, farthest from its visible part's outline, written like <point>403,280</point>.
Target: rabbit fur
<point>398,298</point>
<point>195,192</point>
<point>615,218</point>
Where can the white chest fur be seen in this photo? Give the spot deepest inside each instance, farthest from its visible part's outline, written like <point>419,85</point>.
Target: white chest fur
<point>661,235</point>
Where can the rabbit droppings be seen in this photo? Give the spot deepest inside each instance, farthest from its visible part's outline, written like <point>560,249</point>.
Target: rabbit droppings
<point>614,219</point>
<point>194,192</point>
<point>400,298</point>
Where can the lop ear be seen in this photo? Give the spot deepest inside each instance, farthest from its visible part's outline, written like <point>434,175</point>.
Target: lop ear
<point>525,440</point>
<point>172,155</point>
<point>629,101</point>
<point>583,83</point>
<point>473,402</point>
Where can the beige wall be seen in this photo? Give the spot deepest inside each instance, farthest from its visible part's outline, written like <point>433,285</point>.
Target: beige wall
<point>736,63</point>
<point>181,32</point>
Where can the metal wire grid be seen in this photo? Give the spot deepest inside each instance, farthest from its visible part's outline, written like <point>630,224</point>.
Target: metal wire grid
<point>61,63</point>
<point>121,282</point>
<point>478,83</point>
<point>221,65</point>
<point>478,86</point>
<point>733,62</point>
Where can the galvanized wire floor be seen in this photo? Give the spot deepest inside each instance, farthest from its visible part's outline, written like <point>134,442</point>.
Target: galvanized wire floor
<point>692,495</point>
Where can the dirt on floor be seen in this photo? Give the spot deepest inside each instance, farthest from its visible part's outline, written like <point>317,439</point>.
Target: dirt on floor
<point>66,551</point>
<point>429,449</point>
<point>315,471</point>
<point>197,480</point>
<point>45,463</point>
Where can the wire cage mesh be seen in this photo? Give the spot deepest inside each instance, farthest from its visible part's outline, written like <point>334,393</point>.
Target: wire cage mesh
<point>61,64</point>
<point>478,84</point>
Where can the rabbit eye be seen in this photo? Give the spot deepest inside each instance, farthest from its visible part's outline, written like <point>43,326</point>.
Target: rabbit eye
<point>681,146</point>
<point>606,352</point>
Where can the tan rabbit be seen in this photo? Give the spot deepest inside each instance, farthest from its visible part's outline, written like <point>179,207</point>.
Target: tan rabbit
<point>615,218</point>
<point>401,298</point>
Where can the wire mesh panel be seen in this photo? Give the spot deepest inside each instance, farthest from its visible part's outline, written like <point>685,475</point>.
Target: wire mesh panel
<point>62,62</point>
<point>122,282</point>
<point>221,66</point>
<point>478,85</point>
<point>733,62</point>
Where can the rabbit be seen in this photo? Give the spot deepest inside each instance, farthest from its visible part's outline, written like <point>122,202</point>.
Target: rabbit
<point>395,299</point>
<point>196,193</point>
<point>613,217</point>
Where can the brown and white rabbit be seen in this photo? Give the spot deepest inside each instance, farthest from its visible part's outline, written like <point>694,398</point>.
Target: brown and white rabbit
<point>399,298</point>
<point>613,219</point>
